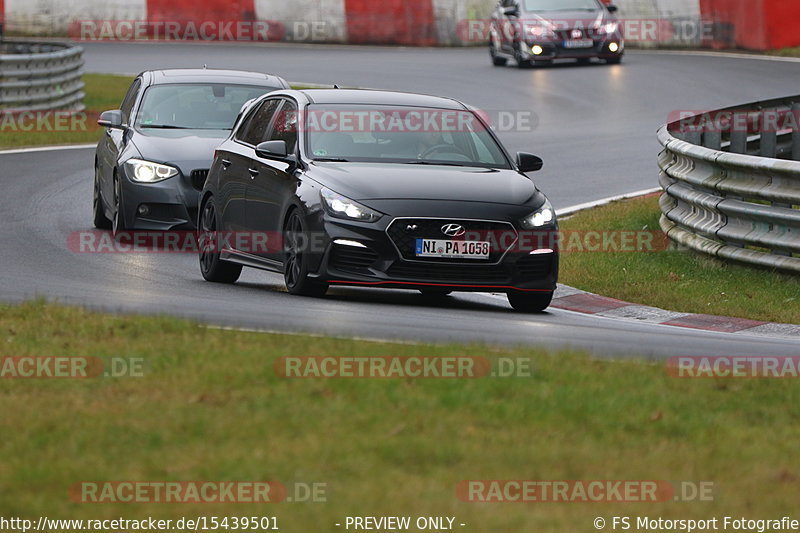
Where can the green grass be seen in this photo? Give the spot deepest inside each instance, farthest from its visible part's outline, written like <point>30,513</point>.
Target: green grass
<point>786,52</point>
<point>211,408</point>
<point>675,280</point>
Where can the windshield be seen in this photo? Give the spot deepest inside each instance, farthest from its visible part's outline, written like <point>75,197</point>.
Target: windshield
<point>560,5</point>
<point>194,106</point>
<point>400,135</point>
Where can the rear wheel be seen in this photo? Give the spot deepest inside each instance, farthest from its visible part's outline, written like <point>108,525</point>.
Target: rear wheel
<point>211,266</point>
<point>530,302</point>
<point>98,208</point>
<point>295,272</point>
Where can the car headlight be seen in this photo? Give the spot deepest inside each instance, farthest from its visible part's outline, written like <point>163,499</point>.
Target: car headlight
<point>609,28</point>
<point>149,172</point>
<point>541,217</point>
<point>342,207</point>
<point>540,32</point>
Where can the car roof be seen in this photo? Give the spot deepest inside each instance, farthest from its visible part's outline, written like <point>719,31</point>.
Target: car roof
<point>202,75</point>
<point>373,97</point>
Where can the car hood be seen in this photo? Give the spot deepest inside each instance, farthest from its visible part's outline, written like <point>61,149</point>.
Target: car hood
<point>187,149</point>
<point>380,181</point>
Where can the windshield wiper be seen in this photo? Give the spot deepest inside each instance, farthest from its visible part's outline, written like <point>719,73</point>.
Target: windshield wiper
<point>331,159</point>
<point>443,163</point>
<point>165,127</point>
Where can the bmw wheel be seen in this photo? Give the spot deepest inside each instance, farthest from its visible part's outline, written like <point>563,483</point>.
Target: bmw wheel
<point>98,210</point>
<point>530,302</point>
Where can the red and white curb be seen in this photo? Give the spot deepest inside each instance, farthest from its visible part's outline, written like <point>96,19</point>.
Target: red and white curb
<point>578,301</point>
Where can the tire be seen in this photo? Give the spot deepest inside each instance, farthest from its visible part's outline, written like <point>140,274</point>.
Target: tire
<point>295,272</point>
<point>496,60</point>
<point>434,293</point>
<point>584,61</point>
<point>530,302</point>
<point>212,267</point>
<point>98,210</point>
<point>614,61</point>
<point>118,223</point>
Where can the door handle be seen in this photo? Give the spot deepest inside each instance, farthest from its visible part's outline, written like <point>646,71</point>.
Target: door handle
<point>253,173</point>
<point>225,163</point>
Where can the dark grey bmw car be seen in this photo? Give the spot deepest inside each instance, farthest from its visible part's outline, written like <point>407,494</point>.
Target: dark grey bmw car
<point>154,157</point>
<point>376,189</point>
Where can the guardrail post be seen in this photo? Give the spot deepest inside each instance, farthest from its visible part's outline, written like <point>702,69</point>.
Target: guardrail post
<point>769,143</point>
<point>796,133</point>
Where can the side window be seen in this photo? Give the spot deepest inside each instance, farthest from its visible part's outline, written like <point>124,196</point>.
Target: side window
<point>285,128</point>
<point>129,100</point>
<point>254,130</point>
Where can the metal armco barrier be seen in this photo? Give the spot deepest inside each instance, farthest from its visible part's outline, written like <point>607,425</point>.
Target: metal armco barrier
<point>732,183</point>
<point>39,77</point>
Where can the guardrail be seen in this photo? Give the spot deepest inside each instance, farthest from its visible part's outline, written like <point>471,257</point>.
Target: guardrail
<point>40,76</point>
<point>731,181</point>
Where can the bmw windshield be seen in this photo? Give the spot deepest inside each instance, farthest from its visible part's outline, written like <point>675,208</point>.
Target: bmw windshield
<point>561,5</point>
<point>194,106</point>
<point>403,135</point>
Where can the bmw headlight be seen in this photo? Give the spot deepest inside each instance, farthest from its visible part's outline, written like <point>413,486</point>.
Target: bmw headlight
<point>342,207</point>
<point>543,216</point>
<point>540,31</point>
<point>148,172</point>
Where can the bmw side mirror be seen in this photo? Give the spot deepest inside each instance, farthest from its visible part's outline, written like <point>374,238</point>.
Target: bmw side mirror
<point>111,119</point>
<point>612,8</point>
<point>529,162</point>
<point>512,11</point>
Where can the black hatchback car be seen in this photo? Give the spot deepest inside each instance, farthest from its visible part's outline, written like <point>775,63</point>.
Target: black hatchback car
<point>540,31</point>
<point>153,160</point>
<point>376,189</point>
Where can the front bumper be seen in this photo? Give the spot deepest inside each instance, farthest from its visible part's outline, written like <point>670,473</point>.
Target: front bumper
<point>557,50</point>
<point>379,255</point>
<point>165,205</point>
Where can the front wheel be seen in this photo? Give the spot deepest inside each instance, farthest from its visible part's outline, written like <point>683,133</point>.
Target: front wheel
<point>211,266</point>
<point>98,209</point>
<point>295,272</point>
<point>614,61</point>
<point>530,302</point>
<point>496,60</point>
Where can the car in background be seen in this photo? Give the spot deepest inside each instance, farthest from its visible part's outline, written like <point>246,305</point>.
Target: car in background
<point>540,31</point>
<point>377,189</point>
<point>152,161</point>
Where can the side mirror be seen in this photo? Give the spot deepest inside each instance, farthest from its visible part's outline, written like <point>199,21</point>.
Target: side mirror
<point>111,119</point>
<point>512,11</point>
<point>276,150</point>
<point>612,8</point>
<point>529,162</point>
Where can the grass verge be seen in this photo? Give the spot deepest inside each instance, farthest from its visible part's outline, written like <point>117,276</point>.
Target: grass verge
<point>675,280</point>
<point>786,52</point>
<point>210,407</point>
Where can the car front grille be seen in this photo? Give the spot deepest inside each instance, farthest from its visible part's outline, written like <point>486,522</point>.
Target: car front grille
<point>404,233</point>
<point>450,273</point>
<point>351,258</point>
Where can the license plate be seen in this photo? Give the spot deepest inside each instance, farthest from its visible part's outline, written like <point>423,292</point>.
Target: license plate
<point>579,43</point>
<point>452,249</point>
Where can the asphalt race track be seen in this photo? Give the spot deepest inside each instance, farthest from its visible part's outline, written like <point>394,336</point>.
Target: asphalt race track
<point>595,128</point>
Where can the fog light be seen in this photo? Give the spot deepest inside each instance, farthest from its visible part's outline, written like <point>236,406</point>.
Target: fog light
<point>614,47</point>
<point>144,210</point>
<point>537,50</point>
